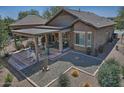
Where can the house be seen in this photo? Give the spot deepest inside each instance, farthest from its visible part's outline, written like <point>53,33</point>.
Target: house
<point>73,29</point>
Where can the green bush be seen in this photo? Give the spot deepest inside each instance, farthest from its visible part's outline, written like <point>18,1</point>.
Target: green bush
<point>1,66</point>
<point>96,53</point>
<point>88,51</point>
<point>63,81</point>
<point>122,69</point>
<point>19,45</point>
<point>101,49</point>
<point>109,74</point>
<point>8,80</point>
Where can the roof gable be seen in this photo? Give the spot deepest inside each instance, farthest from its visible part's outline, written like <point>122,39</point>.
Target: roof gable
<point>87,17</point>
<point>92,18</point>
<point>61,13</point>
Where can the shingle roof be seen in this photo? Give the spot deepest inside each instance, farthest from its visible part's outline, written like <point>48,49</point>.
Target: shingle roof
<point>30,20</point>
<point>91,18</point>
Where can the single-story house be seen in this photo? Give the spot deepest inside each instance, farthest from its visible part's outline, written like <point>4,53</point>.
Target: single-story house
<point>74,29</point>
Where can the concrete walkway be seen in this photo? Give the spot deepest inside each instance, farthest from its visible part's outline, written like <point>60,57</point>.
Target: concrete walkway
<point>116,54</point>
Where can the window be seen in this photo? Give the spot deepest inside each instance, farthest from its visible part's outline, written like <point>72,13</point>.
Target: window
<point>79,38</point>
<point>89,39</point>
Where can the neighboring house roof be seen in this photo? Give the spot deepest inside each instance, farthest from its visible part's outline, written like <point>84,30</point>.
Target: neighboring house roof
<point>30,20</point>
<point>87,17</point>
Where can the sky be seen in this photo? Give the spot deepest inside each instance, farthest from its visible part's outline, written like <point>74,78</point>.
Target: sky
<point>105,11</point>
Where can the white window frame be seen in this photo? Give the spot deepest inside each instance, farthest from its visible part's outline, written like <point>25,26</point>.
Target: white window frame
<point>91,39</point>
<point>79,32</point>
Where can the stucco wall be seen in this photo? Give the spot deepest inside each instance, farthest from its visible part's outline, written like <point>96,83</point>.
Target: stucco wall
<point>79,26</point>
<point>101,35</point>
<point>64,19</point>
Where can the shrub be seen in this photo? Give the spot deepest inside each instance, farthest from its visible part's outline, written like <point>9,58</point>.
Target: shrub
<point>109,74</point>
<point>89,50</point>
<point>75,73</point>
<point>96,53</point>
<point>64,81</point>
<point>1,66</point>
<point>122,70</point>
<point>19,45</point>
<point>87,85</point>
<point>101,49</point>
<point>8,80</point>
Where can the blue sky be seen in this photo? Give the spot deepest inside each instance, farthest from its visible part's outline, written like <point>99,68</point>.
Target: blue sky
<point>106,11</point>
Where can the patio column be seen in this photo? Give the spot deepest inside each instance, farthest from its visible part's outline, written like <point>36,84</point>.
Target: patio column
<point>36,48</point>
<point>46,44</point>
<point>60,42</point>
<point>14,36</point>
<point>46,41</point>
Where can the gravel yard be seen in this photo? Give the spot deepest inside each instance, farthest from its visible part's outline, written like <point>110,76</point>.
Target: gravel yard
<point>16,82</point>
<point>79,81</point>
<point>56,69</point>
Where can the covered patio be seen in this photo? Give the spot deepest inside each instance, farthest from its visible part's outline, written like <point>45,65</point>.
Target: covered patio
<point>48,43</point>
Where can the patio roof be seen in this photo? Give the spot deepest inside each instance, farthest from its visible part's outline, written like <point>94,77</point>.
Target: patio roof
<point>34,31</point>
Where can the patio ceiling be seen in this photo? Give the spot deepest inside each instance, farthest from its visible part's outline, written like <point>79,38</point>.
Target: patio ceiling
<point>33,31</point>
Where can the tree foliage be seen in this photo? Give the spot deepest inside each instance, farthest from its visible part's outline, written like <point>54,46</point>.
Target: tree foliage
<point>51,12</point>
<point>120,19</point>
<point>23,14</point>
<point>64,81</point>
<point>4,31</point>
<point>109,74</point>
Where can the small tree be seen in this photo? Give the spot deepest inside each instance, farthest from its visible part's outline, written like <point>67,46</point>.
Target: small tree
<point>4,33</point>
<point>51,11</point>
<point>23,14</point>
<point>109,74</point>
<point>64,81</point>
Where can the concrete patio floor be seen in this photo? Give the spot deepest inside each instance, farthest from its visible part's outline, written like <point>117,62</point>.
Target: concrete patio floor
<point>82,61</point>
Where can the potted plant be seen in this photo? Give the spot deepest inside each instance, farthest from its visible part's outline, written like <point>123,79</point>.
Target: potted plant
<point>88,51</point>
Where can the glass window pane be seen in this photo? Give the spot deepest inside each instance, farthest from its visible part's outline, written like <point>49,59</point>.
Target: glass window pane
<point>77,38</point>
<point>89,39</point>
<point>82,39</point>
